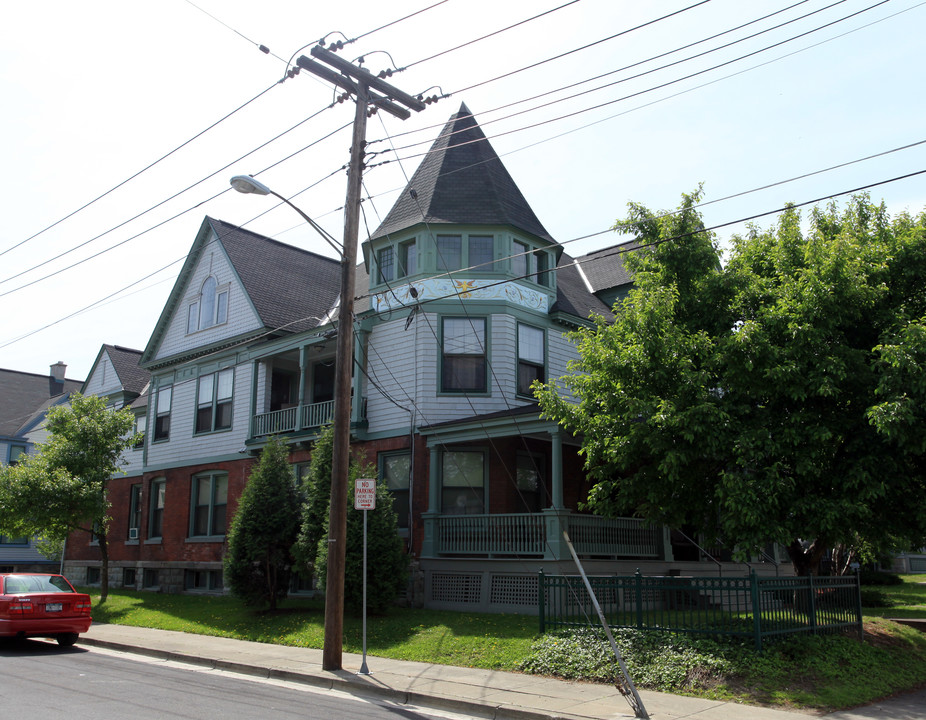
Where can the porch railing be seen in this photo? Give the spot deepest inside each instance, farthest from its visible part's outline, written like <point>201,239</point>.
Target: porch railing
<point>515,534</point>
<point>630,537</point>
<point>521,534</point>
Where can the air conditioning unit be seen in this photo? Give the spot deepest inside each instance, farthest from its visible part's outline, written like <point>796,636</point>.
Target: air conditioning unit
<point>133,533</point>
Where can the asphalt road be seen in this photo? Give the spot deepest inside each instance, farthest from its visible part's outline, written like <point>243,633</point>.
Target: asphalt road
<point>38,680</point>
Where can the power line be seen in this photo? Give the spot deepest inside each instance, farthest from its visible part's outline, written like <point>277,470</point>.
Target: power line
<point>136,174</point>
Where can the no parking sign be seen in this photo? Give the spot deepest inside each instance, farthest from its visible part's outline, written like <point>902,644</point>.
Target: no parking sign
<point>365,494</point>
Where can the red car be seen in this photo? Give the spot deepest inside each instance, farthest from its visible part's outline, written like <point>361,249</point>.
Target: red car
<point>42,605</point>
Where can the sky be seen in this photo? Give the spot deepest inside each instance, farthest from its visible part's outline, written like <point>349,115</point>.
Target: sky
<point>122,123</point>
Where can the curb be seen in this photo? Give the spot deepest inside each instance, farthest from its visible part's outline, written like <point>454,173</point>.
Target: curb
<point>341,681</point>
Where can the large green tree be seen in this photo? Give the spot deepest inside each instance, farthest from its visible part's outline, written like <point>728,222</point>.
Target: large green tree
<point>779,397</point>
<point>63,487</point>
<point>258,561</point>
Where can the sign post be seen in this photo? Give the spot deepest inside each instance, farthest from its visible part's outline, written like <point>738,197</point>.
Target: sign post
<point>364,499</point>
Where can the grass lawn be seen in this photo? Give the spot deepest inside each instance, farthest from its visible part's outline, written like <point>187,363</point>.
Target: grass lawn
<point>822,673</point>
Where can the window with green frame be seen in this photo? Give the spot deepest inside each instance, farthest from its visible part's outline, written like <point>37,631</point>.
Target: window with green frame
<point>395,470</point>
<point>531,263</point>
<point>214,402</point>
<point>208,504</point>
<point>463,361</point>
<point>408,258</point>
<point>385,261</point>
<point>463,482</point>
<point>157,493</point>
<point>474,252</point>
<point>531,357</point>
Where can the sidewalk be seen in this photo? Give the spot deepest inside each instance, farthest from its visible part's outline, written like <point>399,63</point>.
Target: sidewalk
<point>480,693</point>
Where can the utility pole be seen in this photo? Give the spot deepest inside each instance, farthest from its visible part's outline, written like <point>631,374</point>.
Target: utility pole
<point>368,90</point>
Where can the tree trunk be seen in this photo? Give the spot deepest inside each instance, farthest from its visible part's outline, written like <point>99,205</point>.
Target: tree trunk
<point>104,569</point>
<point>806,561</point>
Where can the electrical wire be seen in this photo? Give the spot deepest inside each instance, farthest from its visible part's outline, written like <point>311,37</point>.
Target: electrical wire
<point>136,174</point>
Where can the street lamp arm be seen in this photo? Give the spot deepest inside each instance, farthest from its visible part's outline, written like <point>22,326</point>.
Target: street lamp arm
<point>247,184</point>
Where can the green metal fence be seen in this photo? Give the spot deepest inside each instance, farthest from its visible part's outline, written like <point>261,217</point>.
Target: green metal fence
<point>754,607</point>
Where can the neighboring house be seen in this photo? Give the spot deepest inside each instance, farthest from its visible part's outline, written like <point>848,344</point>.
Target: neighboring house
<point>25,399</point>
<point>464,300</point>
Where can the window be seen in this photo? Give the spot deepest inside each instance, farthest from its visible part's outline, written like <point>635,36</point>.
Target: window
<point>529,478</point>
<point>128,577</point>
<point>463,482</point>
<point>481,252</point>
<point>7,540</point>
<point>531,357</point>
<point>214,401</point>
<point>395,470</point>
<point>323,381</point>
<point>530,263</point>
<point>141,426</point>
<point>149,578</point>
<point>519,259</point>
<point>156,508</point>
<point>210,308</point>
<point>134,512</point>
<point>386,262</point>
<point>463,368</point>
<point>408,258</point>
<point>202,580</point>
<point>210,497</point>
<point>543,266</point>
<point>449,252</point>
<point>162,414</point>
<point>93,576</point>
<point>16,451</point>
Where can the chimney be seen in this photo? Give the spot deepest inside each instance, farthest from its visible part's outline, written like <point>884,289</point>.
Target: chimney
<point>56,379</point>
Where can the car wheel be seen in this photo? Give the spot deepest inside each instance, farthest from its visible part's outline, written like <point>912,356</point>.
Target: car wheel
<point>67,639</point>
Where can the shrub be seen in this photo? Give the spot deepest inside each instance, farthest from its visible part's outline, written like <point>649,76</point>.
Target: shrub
<point>879,577</point>
<point>258,562</point>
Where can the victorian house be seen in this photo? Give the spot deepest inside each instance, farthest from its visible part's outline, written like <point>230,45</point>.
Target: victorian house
<point>464,300</point>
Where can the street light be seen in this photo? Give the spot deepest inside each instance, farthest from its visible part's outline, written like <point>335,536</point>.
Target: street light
<point>248,185</point>
<point>340,451</point>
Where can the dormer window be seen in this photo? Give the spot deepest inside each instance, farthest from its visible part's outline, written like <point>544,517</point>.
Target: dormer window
<point>210,308</point>
<point>472,252</point>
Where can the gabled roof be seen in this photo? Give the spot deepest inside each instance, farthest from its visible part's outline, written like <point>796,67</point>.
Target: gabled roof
<point>22,395</point>
<point>132,376</point>
<point>290,289</point>
<point>462,181</point>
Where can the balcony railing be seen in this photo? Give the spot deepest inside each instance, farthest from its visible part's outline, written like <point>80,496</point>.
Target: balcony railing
<point>522,534</point>
<point>283,421</point>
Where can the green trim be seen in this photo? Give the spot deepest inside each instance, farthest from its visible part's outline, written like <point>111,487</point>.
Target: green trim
<point>190,461</point>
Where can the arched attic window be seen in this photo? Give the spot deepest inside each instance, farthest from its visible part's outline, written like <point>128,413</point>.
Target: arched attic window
<point>210,308</point>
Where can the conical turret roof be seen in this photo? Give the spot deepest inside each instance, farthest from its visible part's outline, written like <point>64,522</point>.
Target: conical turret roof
<point>462,181</point>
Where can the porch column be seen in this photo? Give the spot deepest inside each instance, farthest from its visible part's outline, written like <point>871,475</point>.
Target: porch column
<point>556,457</point>
<point>300,398</point>
<point>356,381</point>
<point>255,378</point>
<point>432,516</point>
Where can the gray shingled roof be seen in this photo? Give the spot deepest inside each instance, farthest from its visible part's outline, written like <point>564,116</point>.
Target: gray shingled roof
<point>605,268</point>
<point>23,394</point>
<point>290,288</point>
<point>462,181</point>
<point>572,295</point>
<point>132,377</point>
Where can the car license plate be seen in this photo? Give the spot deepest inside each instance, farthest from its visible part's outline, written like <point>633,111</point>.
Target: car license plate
<point>53,607</point>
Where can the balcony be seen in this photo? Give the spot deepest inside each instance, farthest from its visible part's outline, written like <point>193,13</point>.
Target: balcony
<point>298,418</point>
<point>540,534</point>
